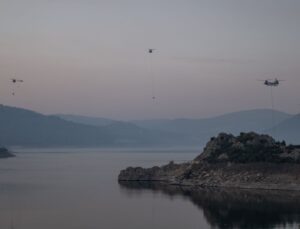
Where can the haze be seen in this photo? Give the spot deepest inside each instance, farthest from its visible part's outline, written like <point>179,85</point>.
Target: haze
<point>90,57</point>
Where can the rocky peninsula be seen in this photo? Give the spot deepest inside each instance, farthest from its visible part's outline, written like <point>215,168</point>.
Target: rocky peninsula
<point>5,153</point>
<point>250,160</point>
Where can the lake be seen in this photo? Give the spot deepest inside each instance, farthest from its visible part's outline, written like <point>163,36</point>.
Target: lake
<point>78,188</point>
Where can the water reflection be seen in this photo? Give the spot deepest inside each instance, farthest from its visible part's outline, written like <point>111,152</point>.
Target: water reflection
<point>232,208</point>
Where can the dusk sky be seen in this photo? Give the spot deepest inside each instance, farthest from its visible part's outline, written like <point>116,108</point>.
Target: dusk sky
<point>89,57</point>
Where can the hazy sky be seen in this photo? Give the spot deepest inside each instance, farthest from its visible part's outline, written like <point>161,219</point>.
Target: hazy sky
<point>89,57</point>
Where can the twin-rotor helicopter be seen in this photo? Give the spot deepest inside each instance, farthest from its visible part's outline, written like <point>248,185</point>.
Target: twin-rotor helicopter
<point>272,82</point>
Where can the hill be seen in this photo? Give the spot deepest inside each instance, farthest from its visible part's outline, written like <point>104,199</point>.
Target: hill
<point>27,128</point>
<point>5,153</point>
<point>257,120</point>
<point>21,127</point>
<point>288,129</point>
<point>198,131</point>
<point>93,121</point>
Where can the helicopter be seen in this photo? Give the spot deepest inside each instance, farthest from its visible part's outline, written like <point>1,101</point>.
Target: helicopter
<point>16,80</point>
<point>151,50</point>
<point>272,82</point>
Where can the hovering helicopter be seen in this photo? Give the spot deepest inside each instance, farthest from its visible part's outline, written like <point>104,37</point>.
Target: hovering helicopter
<point>151,50</point>
<point>15,81</point>
<point>272,82</point>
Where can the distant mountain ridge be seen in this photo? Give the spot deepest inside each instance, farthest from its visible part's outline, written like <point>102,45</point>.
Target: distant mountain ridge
<point>258,120</point>
<point>198,131</point>
<point>21,127</point>
<point>288,129</point>
<point>94,121</point>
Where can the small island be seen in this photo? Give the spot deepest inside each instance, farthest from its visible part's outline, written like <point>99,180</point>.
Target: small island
<point>250,161</point>
<point>5,153</point>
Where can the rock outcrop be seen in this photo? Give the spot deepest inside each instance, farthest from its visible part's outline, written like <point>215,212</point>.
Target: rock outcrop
<point>249,160</point>
<point>247,148</point>
<point>4,153</point>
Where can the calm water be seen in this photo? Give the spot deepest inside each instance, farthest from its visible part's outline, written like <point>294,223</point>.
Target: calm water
<point>70,189</point>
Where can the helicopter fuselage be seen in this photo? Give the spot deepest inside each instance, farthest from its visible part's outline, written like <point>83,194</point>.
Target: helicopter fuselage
<point>274,83</point>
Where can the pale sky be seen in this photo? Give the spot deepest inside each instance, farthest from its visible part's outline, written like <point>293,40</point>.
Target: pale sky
<point>89,57</point>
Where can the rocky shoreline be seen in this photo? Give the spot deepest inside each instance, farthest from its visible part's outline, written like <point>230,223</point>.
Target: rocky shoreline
<point>5,153</point>
<point>249,161</point>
